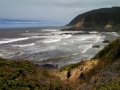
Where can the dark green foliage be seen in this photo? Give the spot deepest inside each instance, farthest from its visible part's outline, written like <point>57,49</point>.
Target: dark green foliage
<point>24,75</point>
<point>101,19</point>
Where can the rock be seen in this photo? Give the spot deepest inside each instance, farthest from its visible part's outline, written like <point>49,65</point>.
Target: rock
<point>68,74</point>
<point>17,52</point>
<point>106,41</point>
<point>86,32</point>
<point>37,65</point>
<point>49,66</point>
<point>95,46</point>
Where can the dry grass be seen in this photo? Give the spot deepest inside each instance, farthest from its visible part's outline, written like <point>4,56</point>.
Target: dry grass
<point>108,26</point>
<point>79,24</point>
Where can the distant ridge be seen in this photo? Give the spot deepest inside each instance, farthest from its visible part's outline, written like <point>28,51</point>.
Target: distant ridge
<point>101,10</point>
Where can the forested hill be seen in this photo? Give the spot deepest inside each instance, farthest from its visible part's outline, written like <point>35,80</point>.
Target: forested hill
<point>101,16</point>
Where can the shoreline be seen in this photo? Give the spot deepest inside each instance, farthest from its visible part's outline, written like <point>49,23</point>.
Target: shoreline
<point>47,67</point>
<point>90,29</point>
<point>50,63</point>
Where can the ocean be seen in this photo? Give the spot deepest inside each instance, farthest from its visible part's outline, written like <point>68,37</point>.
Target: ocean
<point>50,45</point>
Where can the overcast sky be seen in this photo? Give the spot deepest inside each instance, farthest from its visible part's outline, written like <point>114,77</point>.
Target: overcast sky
<point>50,10</point>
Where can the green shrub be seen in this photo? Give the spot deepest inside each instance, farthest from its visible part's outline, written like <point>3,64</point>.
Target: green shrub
<point>24,75</point>
<point>109,52</point>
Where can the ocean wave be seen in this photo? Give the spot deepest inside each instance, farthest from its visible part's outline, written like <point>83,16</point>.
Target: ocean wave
<point>67,36</point>
<point>85,37</point>
<point>30,34</point>
<point>25,45</point>
<point>90,38</point>
<point>34,37</point>
<point>52,30</point>
<point>12,40</point>
<point>93,32</point>
<point>100,39</point>
<point>75,54</point>
<point>114,34</point>
<point>85,47</point>
<point>51,40</point>
<point>1,54</point>
<point>64,44</point>
<point>96,38</point>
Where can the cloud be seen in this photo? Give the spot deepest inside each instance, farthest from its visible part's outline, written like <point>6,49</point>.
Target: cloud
<point>50,10</point>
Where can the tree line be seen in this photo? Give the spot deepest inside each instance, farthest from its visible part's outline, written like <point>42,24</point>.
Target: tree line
<point>102,18</point>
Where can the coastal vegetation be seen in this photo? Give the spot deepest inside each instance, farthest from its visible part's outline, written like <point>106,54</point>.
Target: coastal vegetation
<point>24,75</point>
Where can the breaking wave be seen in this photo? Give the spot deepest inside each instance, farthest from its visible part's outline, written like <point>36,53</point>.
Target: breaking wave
<point>12,40</point>
<point>25,45</point>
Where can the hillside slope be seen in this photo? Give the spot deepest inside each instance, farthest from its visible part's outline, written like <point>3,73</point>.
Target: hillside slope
<point>105,18</point>
<point>102,71</point>
<point>81,16</point>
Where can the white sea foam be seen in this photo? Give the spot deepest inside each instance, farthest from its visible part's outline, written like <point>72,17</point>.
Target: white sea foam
<point>64,44</point>
<point>93,32</point>
<point>12,40</point>
<point>75,54</point>
<point>98,39</point>
<point>114,34</point>
<point>35,37</point>
<point>85,37</point>
<point>51,40</point>
<point>92,38</point>
<point>1,54</point>
<point>85,47</point>
<point>50,30</point>
<point>67,36</point>
<point>25,45</point>
<point>81,38</point>
<point>49,37</point>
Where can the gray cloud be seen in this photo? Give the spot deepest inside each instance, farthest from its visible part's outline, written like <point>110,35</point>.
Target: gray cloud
<point>50,10</point>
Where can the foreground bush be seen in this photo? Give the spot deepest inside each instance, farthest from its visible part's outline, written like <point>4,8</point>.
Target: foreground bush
<point>24,75</point>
